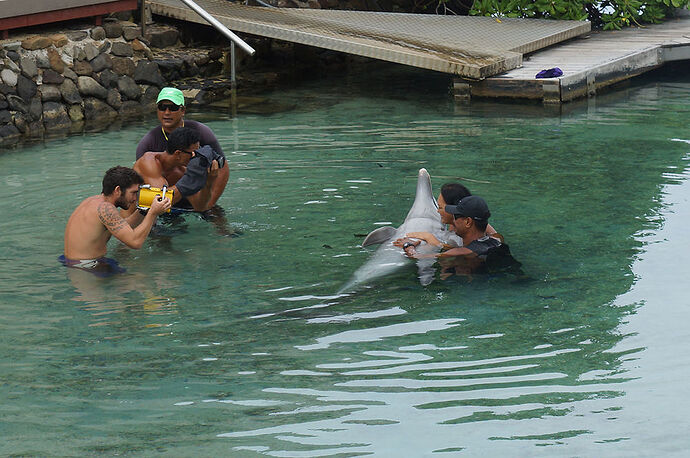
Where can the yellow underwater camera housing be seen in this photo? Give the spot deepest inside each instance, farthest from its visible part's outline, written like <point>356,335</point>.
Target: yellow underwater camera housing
<point>147,193</point>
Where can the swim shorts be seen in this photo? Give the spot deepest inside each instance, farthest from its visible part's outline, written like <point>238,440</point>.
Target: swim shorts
<point>100,267</point>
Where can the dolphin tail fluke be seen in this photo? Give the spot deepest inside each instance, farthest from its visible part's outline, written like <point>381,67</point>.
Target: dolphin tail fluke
<point>380,235</point>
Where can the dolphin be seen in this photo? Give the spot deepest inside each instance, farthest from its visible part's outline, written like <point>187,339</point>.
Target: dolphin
<point>422,217</point>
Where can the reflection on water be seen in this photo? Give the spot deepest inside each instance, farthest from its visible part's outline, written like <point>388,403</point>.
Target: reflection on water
<point>217,345</point>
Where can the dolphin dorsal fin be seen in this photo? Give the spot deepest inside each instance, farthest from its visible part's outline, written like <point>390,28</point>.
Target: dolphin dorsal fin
<point>380,235</point>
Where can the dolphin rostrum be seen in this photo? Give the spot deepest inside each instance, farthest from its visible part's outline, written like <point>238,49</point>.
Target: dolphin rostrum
<point>422,217</point>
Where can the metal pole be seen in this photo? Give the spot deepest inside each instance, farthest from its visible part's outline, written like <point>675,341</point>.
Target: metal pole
<point>233,78</point>
<point>220,27</point>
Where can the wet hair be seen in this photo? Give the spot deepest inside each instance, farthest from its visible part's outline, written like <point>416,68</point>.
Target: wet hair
<point>453,192</point>
<point>124,177</point>
<point>181,138</point>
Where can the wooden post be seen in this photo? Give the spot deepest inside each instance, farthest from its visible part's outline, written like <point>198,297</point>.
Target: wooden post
<point>142,12</point>
<point>461,90</point>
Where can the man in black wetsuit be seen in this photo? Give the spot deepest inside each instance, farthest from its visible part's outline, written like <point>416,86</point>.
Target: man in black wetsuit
<point>470,221</point>
<point>171,111</point>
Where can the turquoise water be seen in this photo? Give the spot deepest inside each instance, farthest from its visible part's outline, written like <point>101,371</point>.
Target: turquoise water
<point>238,346</point>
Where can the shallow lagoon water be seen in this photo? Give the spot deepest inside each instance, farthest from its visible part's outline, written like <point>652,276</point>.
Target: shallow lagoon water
<point>238,346</point>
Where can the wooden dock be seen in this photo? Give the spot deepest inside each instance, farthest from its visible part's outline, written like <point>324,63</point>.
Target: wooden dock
<point>589,63</point>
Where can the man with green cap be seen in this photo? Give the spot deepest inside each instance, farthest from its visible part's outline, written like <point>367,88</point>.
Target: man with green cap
<point>171,110</point>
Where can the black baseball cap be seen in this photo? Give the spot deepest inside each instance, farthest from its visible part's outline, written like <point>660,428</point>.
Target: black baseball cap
<point>472,207</point>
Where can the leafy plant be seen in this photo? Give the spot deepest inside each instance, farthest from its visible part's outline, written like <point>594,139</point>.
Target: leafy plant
<point>607,14</point>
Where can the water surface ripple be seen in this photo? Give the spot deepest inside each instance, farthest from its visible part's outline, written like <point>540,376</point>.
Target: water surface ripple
<point>214,345</point>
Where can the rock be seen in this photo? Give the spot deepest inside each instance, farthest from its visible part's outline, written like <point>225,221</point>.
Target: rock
<point>129,88</point>
<point>101,62</point>
<point>130,108</point>
<point>200,61</point>
<point>114,99</point>
<point>91,51</point>
<point>52,77</point>
<point>122,49</point>
<point>28,66</point>
<point>9,134</point>
<point>56,62</point>
<point>108,79</point>
<point>90,87</point>
<point>98,33</point>
<point>11,65</point>
<point>112,29</point>
<point>5,89</point>
<point>8,77</point>
<point>5,117</point>
<point>50,93</point>
<point>215,54</point>
<point>105,46</point>
<point>82,68</point>
<point>69,73</point>
<point>150,95</point>
<point>13,55</point>
<point>141,48</point>
<point>42,60</point>
<point>70,93</point>
<point>36,42</point>
<point>95,109</point>
<point>161,37</point>
<point>78,53</point>
<point>15,46</point>
<point>36,108</point>
<point>3,102</point>
<point>21,121</point>
<point>26,88</point>
<point>123,66</point>
<point>55,116</point>
<point>75,112</point>
<point>59,40</point>
<point>123,16</point>
<point>77,35</point>
<point>212,68</point>
<point>130,33</point>
<point>148,73</point>
<point>17,104</point>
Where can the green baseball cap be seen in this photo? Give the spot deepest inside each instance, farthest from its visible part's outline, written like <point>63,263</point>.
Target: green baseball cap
<point>172,94</point>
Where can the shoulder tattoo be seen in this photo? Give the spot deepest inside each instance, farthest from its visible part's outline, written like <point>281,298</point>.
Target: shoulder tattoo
<point>110,217</point>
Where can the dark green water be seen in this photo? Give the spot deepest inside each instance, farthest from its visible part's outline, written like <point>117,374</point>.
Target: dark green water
<point>222,346</point>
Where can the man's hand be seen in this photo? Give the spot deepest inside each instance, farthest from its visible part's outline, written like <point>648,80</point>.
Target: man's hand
<point>426,236</point>
<point>213,170</point>
<point>160,206</point>
<point>408,245</point>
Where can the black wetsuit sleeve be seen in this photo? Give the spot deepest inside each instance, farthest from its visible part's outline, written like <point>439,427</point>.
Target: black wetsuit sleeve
<point>207,137</point>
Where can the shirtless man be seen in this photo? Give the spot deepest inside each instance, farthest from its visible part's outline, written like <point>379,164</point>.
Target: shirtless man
<point>96,219</point>
<point>171,111</point>
<point>184,167</point>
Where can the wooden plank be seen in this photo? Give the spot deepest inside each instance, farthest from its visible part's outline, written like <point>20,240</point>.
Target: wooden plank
<point>592,62</point>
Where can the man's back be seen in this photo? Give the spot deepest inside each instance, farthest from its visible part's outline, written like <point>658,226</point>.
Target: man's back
<point>85,234</point>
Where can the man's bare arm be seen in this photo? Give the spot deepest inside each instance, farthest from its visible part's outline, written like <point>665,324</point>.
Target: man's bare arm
<point>120,228</point>
<point>200,200</point>
<point>219,185</point>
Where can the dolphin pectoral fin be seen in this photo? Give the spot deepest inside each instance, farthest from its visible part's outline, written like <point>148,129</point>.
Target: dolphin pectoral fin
<point>380,235</point>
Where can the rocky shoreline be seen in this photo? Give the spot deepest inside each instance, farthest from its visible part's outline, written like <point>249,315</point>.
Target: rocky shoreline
<point>61,82</point>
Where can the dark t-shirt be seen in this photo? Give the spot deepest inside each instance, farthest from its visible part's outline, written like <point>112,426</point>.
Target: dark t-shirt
<point>154,140</point>
<point>483,245</point>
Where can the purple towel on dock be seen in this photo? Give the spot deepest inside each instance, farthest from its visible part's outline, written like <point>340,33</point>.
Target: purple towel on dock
<point>550,73</point>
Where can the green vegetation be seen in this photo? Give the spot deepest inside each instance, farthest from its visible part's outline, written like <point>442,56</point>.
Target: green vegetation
<point>607,14</point>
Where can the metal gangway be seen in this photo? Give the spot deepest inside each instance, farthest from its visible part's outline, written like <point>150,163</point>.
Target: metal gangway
<point>469,47</point>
